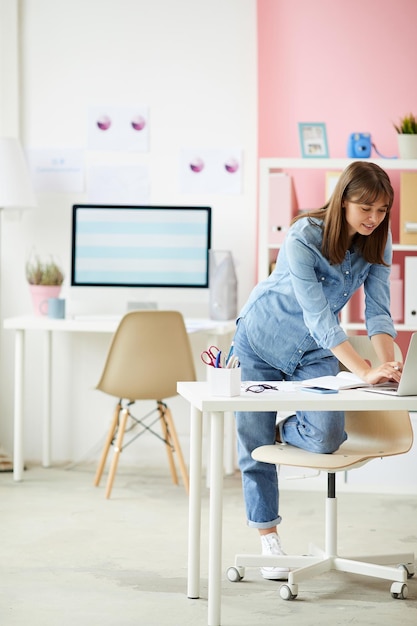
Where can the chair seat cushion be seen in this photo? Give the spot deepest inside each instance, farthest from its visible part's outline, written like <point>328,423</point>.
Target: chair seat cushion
<point>283,454</point>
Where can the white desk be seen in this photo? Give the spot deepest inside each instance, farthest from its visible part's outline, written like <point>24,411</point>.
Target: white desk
<point>85,324</point>
<point>201,401</point>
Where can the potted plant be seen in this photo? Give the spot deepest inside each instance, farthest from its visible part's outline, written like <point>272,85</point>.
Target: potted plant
<point>45,280</point>
<point>407,136</point>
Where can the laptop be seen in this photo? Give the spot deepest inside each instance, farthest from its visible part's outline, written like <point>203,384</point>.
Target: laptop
<point>408,383</point>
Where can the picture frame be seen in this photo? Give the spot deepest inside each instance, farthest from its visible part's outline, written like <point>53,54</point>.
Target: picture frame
<point>313,140</point>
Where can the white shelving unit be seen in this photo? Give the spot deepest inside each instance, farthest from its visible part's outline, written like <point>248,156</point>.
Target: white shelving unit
<point>274,165</point>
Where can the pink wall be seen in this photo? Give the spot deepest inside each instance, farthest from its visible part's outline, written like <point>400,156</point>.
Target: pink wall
<point>348,63</point>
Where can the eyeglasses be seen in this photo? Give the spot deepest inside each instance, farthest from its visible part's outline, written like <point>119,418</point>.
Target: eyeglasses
<point>259,388</point>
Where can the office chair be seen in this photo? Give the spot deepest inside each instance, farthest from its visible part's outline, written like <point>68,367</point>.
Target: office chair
<point>371,435</point>
<point>364,347</point>
<point>150,351</point>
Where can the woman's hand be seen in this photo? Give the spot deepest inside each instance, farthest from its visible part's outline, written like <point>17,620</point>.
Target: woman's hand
<point>384,347</point>
<point>383,373</point>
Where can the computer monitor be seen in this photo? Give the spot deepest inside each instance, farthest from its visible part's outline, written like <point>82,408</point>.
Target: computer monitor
<point>140,246</point>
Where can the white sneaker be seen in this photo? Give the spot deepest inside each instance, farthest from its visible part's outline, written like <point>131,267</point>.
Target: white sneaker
<point>271,544</point>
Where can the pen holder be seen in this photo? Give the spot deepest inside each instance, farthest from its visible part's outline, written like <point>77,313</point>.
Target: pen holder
<point>223,381</point>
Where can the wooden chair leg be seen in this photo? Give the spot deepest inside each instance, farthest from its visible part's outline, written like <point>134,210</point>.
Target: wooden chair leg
<point>177,448</point>
<point>117,449</point>
<point>109,439</point>
<point>165,434</point>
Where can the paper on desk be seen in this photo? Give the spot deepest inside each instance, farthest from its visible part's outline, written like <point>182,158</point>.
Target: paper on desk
<point>196,325</point>
<point>342,380</point>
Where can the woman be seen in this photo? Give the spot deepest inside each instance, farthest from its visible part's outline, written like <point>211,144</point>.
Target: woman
<point>290,330</point>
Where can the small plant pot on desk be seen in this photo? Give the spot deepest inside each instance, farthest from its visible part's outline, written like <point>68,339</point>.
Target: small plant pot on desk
<point>45,280</point>
<point>40,295</point>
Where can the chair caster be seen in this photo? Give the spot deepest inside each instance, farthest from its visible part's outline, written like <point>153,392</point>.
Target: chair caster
<point>399,591</point>
<point>235,574</point>
<point>409,568</point>
<point>288,592</point>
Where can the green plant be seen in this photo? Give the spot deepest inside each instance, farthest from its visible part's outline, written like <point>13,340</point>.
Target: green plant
<point>43,272</point>
<point>407,125</point>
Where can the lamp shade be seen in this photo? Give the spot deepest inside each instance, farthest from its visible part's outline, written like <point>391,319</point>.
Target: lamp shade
<point>16,190</point>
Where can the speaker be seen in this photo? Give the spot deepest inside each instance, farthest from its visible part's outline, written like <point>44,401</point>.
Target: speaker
<point>223,285</point>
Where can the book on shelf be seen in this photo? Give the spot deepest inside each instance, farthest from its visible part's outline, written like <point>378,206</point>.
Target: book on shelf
<point>408,221</point>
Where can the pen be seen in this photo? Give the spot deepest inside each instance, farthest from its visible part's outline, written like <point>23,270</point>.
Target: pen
<point>230,352</point>
<point>218,357</point>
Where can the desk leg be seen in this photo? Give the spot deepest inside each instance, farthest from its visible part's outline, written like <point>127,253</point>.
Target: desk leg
<point>230,447</point>
<point>230,444</point>
<point>194,510</point>
<point>18,405</point>
<point>47,393</point>
<point>215,518</point>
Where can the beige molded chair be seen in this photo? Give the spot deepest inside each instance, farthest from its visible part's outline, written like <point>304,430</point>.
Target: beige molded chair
<point>364,347</point>
<point>371,435</point>
<point>150,351</point>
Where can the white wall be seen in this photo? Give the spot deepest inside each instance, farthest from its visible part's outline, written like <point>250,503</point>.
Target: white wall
<point>193,62</point>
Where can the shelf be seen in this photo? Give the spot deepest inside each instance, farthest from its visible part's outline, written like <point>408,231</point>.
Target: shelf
<point>396,247</point>
<point>401,247</point>
<point>321,164</point>
<point>402,328</point>
<point>269,166</point>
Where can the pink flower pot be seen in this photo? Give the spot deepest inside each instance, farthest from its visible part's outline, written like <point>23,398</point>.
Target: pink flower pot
<point>40,295</point>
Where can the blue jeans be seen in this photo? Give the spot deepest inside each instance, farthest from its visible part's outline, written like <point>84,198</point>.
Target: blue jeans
<point>316,431</point>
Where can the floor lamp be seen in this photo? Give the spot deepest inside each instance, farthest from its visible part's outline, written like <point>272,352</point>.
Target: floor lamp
<point>16,194</point>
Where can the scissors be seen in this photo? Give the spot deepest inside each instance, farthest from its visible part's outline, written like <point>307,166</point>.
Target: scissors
<point>211,356</point>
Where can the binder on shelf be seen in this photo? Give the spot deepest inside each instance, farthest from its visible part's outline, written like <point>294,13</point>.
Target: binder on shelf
<point>282,206</point>
<point>410,295</point>
<point>331,181</point>
<point>408,208</point>
<point>396,292</point>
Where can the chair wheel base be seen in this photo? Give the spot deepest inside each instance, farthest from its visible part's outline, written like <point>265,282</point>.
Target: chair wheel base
<point>235,574</point>
<point>399,591</point>
<point>288,592</point>
<point>408,567</point>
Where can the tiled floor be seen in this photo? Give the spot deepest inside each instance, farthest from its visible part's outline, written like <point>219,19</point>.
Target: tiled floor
<point>71,557</point>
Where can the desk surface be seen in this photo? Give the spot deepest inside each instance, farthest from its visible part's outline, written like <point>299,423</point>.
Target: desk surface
<point>106,324</point>
<point>198,395</point>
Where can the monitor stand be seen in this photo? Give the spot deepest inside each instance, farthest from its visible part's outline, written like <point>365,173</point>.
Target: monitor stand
<point>140,306</point>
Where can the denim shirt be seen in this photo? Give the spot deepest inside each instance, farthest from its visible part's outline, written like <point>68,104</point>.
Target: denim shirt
<point>292,317</point>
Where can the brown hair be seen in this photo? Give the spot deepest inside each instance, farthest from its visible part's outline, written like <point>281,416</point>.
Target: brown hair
<point>365,183</point>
